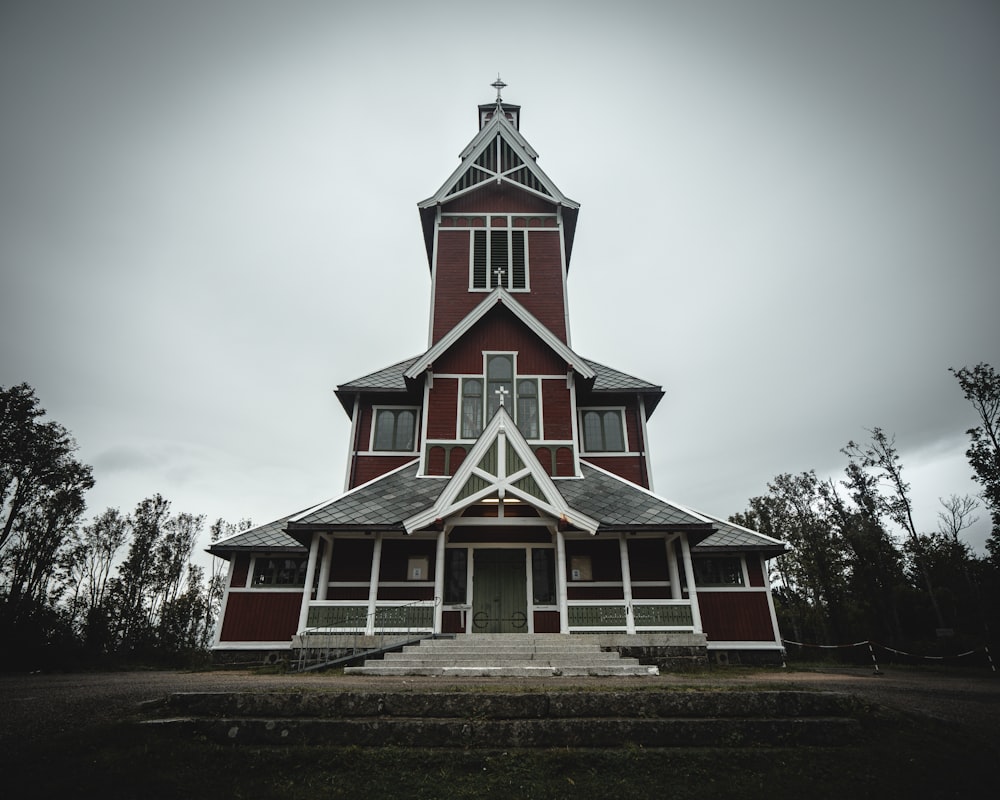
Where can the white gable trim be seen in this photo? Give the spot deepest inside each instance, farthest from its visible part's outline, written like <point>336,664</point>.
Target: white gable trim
<point>499,296</point>
<point>482,140</point>
<point>503,431</point>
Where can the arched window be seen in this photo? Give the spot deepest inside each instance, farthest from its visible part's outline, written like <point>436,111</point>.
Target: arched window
<point>395,429</point>
<point>603,431</point>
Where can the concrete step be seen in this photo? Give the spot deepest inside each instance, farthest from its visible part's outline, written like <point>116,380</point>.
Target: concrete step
<point>479,670</point>
<point>577,718</point>
<point>500,655</point>
<point>504,655</point>
<point>546,733</point>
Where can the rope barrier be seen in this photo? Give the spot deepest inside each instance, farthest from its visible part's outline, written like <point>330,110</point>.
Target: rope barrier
<point>872,645</point>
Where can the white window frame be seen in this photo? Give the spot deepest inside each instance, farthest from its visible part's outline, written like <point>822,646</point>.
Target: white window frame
<point>620,410</point>
<point>510,402</point>
<point>488,229</point>
<point>744,575</point>
<point>374,426</point>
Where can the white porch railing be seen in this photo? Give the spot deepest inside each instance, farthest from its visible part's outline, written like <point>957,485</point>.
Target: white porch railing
<point>345,628</point>
<point>612,616</point>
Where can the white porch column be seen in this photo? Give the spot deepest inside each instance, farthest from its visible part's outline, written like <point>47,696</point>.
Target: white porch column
<point>439,583</point>
<point>307,589</point>
<point>324,569</point>
<point>675,576</point>
<point>373,584</point>
<point>692,590</point>
<point>626,584</point>
<point>561,582</point>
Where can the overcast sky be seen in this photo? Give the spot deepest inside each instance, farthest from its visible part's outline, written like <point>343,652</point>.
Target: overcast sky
<point>790,219</point>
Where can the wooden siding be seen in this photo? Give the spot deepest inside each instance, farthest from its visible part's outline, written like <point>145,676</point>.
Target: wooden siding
<point>368,468</point>
<point>557,409</point>
<point>546,622</point>
<point>736,616</point>
<point>753,570</point>
<point>651,593</point>
<point>581,591</point>
<point>442,408</point>
<point>406,593</point>
<point>502,199</point>
<point>500,331</point>
<point>241,570</point>
<point>452,298</point>
<point>451,622</point>
<point>545,276</point>
<point>269,616</point>
<point>630,468</point>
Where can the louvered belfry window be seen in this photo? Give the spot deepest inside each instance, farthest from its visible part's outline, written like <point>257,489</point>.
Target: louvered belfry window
<point>499,259</point>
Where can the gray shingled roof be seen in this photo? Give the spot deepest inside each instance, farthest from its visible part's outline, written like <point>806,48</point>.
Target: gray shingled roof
<point>611,380</point>
<point>389,378</point>
<point>608,380</point>
<point>618,504</point>
<point>730,537</point>
<point>385,502</point>
<point>264,537</point>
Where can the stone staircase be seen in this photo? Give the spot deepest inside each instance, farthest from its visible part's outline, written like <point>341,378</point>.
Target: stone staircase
<point>506,656</point>
<point>508,719</point>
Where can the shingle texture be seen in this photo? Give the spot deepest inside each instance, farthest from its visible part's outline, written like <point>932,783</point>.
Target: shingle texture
<point>386,501</point>
<point>732,537</point>
<point>616,503</point>
<point>390,378</point>
<point>608,380</point>
<point>264,537</point>
<point>611,380</point>
<point>613,502</point>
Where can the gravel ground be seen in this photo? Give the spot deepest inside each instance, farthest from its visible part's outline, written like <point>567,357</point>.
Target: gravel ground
<point>33,707</point>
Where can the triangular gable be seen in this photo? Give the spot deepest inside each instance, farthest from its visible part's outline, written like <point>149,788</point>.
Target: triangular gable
<point>498,154</point>
<point>500,464</point>
<point>500,296</point>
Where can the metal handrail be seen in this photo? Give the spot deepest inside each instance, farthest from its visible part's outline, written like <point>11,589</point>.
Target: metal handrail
<point>315,656</point>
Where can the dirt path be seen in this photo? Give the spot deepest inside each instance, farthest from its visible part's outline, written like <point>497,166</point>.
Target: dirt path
<point>33,707</point>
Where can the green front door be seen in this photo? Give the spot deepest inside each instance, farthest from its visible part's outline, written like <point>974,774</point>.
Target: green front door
<point>499,592</point>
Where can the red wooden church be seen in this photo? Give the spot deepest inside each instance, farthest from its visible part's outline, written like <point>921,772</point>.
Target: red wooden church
<point>499,481</point>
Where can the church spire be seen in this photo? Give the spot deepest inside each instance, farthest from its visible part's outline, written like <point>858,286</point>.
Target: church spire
<point>488,110</point>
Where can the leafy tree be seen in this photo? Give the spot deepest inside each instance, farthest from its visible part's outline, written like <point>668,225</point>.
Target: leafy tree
<point>812,573</point>
<point>138,577</point>
<point>875,577</point>
<point>981,387</point>
<point>42,487</point>
<point>881,455</point>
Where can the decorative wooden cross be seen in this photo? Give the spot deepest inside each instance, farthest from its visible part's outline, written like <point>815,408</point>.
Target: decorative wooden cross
<point>498,85</point>
<point>503,392</point>
<point>499,271</point>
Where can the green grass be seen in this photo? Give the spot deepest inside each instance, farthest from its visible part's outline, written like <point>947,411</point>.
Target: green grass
<point>896,756</point>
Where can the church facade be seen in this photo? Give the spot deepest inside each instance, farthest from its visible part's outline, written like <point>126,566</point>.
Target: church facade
<point>498,481</point>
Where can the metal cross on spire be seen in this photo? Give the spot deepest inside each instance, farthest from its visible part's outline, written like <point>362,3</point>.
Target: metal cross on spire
<point>498,85</point>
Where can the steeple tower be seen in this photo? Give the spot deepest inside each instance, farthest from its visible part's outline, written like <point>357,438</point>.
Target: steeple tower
<point>499,221</point>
